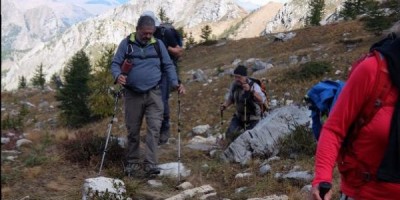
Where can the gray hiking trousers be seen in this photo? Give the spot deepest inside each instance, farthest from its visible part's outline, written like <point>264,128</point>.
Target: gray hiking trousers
<point>137,106</point>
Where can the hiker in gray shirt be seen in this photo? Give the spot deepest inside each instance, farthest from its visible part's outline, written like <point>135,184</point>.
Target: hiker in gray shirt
<point>147,59</point>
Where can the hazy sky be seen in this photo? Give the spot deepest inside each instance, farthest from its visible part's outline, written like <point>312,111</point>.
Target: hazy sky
<point>253,4</point>
<point>261,2</point>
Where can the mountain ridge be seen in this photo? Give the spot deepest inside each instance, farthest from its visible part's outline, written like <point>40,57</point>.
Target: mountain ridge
<point>221,15</point>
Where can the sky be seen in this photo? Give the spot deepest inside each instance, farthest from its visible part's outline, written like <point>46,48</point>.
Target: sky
<point>100,6</point>
<point>250,5</point>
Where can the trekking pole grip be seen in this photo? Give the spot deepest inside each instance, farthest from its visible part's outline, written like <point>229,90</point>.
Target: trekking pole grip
<point>324,188</point>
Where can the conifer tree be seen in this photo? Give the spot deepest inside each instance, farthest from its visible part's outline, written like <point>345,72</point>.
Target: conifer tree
<point>190,41</point>
<point>376,21</point>
<point>353,8</point>
<point>73,96</point>
<point>316,12</point>
<point>182,32</point>
<point>206,32</point>
<point>162,15</point>
<point>101,103</point>
<point>22,82</point>
<point>38,79</point>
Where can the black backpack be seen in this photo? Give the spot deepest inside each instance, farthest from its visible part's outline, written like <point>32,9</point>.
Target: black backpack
<point>160,33</point>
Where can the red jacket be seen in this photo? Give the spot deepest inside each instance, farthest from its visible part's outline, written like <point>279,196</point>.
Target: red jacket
<point>371,142</point>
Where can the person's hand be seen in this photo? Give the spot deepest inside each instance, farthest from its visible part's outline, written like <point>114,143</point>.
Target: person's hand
<point>181,89</point>
<point>222,107</point>
<point>121,79</point>
<point>315,194</point>
<point>246,86</point>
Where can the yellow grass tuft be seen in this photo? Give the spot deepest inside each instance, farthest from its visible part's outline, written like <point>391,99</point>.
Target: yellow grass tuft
<point>33,172</point>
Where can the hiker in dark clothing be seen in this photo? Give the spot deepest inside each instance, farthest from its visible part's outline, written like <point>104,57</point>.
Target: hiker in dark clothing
<point>142,91</point>
<point>246,95</point>
<point>166,35</point>
<point>368,158</point>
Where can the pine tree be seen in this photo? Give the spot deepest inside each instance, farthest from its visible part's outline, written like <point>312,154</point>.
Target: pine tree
<point>190,41</point>
<point>376,21</point>
<point>353,8</point>
<point>73,96</point>
<point>182,32</point>
<point>101,103</point>
<point>206,32</point>
<point>317,10</point>
<point>38,79</point>
<point>22,82</point>
<point>162,15</point>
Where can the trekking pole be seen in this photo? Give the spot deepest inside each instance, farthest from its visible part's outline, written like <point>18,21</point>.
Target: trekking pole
<point>116,96</point>
<point>324,188</point>
<point>179,138</point>
<point>222,115</point>
<point>245,114</point>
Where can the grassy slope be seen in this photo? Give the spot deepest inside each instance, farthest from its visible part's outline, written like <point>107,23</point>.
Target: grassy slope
<point>56,178</point>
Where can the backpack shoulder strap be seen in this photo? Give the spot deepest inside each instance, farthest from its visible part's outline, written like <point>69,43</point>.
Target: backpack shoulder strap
<point>380,90</point>
<point>129,49</point>
<point>158,50</point>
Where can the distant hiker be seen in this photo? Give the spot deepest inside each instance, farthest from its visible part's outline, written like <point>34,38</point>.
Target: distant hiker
<point>173,41</point>
<point>149,60</point>
<point>367,151</point>
<point>246,95</point>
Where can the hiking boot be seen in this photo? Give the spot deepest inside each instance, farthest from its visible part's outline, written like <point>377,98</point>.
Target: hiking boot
<point>132,168</point>
<point>152,169</point>
<point>162,142</point>
<point>164,135</point>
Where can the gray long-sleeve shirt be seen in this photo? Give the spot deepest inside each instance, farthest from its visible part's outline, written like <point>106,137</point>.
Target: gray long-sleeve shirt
<point>146,71</point>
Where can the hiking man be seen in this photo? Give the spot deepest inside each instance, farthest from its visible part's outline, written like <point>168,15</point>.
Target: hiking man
<point>169,38</point>
<point>247,96</point>
<point>150,60</point>
<point>368,158</point>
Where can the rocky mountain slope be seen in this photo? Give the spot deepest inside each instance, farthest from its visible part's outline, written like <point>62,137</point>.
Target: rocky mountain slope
<point>254,24</point>
<point>294,13</point>
<point>39,169</point>
<point>110,28</point>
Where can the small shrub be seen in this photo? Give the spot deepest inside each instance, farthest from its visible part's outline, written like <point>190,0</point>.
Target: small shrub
<point>301,142</point>
<point>87,147</point>
<point>34,160</point>
<point>209,42</point>
<point>15,122</point>
<point>310,70</point>
<point>10,177</point>
<point>219,70</point>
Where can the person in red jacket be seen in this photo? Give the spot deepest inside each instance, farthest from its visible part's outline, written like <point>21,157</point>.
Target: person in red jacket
<point>374,167</point>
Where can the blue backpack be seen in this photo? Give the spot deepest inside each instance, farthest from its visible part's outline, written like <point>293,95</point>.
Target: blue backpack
<point>323,95</point>
<point>321,98</point>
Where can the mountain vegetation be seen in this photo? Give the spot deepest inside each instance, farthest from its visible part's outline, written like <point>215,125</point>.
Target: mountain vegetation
<point>73,97</point>
<point>38,79</point>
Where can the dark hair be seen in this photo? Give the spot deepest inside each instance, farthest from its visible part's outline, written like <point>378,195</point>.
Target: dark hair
<point>145,21</point>
<point>240,70</point>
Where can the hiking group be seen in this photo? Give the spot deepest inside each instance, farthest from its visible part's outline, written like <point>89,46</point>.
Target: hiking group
<point>362,130</point>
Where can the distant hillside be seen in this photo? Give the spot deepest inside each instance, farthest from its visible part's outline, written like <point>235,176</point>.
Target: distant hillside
<point>110,28</point>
